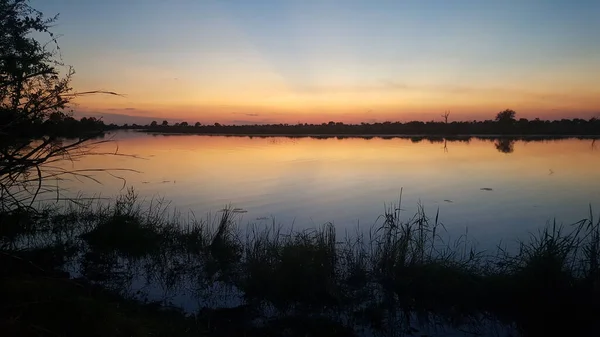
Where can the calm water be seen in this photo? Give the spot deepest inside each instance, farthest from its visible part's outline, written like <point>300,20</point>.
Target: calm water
<point>307,182</point>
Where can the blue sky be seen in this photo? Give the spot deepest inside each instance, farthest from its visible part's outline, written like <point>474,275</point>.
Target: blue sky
<point>305,59</point>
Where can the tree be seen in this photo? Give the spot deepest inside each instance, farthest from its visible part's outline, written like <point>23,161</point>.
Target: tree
<point>56,117</point>
<point>445,116</point>
<point>198,124</point>
<point>165,123</point>
<point>91,124</point>
<point>28,71</point>
<point>153,124</point>
<point>506,117</point>
<point>35,92</point>
<point>184,124</point>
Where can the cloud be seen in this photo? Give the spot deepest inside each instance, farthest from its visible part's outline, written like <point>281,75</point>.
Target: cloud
<point>120,109</point>
<point>246,114</point>
<point>122,118</point>
<point>389,85</point>
<point>384,85</point>
<point>251,122</point>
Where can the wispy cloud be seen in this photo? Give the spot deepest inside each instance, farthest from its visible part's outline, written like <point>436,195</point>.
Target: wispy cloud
<point>253,114</point>
<point>252,122</point>
<point>389,85</point>
<point>120,109</point>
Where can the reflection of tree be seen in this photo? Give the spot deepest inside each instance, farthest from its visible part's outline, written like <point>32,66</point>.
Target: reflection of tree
<point>505,145</point>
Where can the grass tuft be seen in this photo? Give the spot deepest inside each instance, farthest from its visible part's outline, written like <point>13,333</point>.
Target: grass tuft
<point>395,279</point>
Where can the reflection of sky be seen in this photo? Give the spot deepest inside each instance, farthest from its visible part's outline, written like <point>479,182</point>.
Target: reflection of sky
<point>313,181</point>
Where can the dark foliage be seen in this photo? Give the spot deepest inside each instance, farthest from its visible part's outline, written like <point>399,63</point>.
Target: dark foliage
<point>502,126</point>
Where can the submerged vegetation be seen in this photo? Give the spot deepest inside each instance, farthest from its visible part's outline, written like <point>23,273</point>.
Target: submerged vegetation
<point>145,270</point>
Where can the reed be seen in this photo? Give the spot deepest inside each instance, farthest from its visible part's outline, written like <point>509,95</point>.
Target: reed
<point>401,271</point>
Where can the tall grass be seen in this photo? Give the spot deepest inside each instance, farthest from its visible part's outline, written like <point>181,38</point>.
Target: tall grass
<point>399,272</point>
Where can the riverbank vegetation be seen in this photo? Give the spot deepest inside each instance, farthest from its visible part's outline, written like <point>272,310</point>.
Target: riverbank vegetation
<point>66,125</point>
<point>505,123</point>
<point>131,268</point>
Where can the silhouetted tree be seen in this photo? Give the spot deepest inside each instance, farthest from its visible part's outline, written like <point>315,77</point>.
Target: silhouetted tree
<point>57,117</point>
<point>89,124</point>
<point>153,124</point>
<point>506,117</point>
<point>34,93</point>
<point>28,70</point>
<point>197,124</point>
<point>445,116</point>
<point>183,124</point>
<point>165,123</point>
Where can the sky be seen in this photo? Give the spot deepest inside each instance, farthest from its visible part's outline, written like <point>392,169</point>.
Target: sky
<point>312,61</point>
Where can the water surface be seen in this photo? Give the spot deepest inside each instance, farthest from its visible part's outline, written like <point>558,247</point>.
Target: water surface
<point>491,189</point>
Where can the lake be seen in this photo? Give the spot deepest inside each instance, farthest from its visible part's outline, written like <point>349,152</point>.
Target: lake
<point>490,189</point>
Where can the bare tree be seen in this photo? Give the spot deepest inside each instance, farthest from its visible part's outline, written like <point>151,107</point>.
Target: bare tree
<point>445,116</point>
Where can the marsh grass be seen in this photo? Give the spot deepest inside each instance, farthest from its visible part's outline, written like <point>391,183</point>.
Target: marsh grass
<point>293,270</point>
<point>394,279</point>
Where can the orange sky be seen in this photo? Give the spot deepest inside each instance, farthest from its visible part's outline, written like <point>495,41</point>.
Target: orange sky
<point>277,104</point>
<point>316,61</point>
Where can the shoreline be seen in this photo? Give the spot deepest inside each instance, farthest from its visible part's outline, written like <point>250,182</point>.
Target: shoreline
<point>359,135</point>
<point>402,268</point>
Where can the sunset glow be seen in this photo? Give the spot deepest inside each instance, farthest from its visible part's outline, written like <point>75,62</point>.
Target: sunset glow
<point>268,61</point>
<point>351,178</point>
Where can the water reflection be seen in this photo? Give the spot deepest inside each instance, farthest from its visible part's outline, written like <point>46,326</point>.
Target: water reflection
<point>505,145</point>
<point>346,180</point>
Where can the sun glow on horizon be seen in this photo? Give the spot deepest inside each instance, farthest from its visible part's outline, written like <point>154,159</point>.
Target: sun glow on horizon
<point>314,61</point>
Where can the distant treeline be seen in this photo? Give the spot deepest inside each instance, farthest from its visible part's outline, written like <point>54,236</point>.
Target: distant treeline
<point>60,124</point>
<point>521,127</point>
<point>504,124</point>
<point>57,124</point>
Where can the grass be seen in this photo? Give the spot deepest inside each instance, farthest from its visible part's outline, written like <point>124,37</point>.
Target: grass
<point>108,260</point>
<point>296,270</point>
